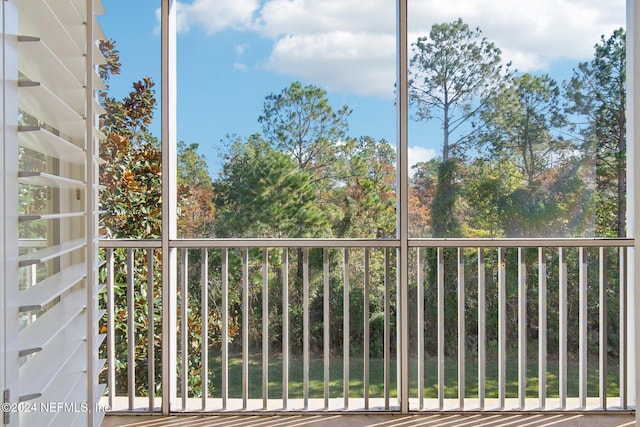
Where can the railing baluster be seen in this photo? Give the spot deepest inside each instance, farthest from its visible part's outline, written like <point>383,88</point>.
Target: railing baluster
<point>461,329</point>
<point>151,364</point>
<point>204,301</point>
<point>285,328</point>
<point>623,329</point>
<point>387,328</point>
<point>305,327</point>
<point>482,329</point>
<point>562,328</point>
<point>265,329</point>
<point>327,324</point>
<point>345,331</point>
<point>502,328</point>
<point>245,327</point>
<point>366,329</point>
<point>111,328</point>
<point>185,327</point>
<point>542,328</point>
<point>440,299</point>
<point>522,328</point>
<point>582,328</point>
<point>603,328</point>
<point>225,328</point>
<point>420,296</point>
<point>131,333</point>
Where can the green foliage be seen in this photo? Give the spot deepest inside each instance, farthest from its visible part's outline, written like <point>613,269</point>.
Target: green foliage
<point>301,122</point>
<point>597,94</point>
<point>367,198</point>
<point>444,222</point>
<point>262,193</point>
<point>453,73</point>
<point>196,210</point>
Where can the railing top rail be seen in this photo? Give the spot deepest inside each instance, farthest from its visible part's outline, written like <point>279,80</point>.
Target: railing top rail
<point>372,243</point>
<point>544,242</point>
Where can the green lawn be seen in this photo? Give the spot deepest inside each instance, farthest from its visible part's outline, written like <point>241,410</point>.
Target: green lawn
<point>376,378</point>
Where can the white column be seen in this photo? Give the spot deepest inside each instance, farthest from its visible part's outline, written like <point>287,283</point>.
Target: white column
<point>169,204</point>
<point>91,225</point>
<point>633,209</point>
<point>402,189</point>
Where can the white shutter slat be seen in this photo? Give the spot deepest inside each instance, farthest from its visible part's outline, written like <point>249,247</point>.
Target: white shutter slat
<point>37,217</point>
<point>48,180</point>
<point>40,139</point>
<point>40,370</point>
<point>75,394</point>
<point>38,62</point>
<point>58,388</point>
<point>37,335</point>
<point>41,21</point>
<point>45,291</point>
<point>50,252</point>
<point>40,102</point>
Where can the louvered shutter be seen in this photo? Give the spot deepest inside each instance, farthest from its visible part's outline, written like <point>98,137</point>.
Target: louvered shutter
<point>58,336</point>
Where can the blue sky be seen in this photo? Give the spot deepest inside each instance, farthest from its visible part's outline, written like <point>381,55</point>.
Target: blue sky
<point>233,53</point>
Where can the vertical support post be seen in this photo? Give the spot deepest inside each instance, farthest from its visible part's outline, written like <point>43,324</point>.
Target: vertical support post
<point>345,330</point>
<point>633,207</point>
<point>305,327</point>
<point>111,328</point>
<point>225,327</point>
<point>402,189</point>
<point>624,384</point>
<point>169,205</point>
<point>131,334</point>
<point>440,309</point>
<point>420,286</point>
<point>184,327</point>
<point>327,323</point>
<point>365,350</point>
<point>582,328</point>
<point>482,329</point>
<point>502,328</point>
<point>285,328</point>
<point>461,330</point>
<point>204,301</point>
<point>151,365</point>
<point>562,327</point>
<point>91,221</point>
<point>387,328</point>
<point>245,327</point>
<point>603,339</point>
<point>542,328</point>
<point>522,328</point>
<point>265,328</point>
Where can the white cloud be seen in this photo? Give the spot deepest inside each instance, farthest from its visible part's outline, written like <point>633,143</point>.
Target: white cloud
<point>340,61</point>
<point>215,15</point>
<point>530,33</point>
<point>349,45</point>
<point>419,154</point>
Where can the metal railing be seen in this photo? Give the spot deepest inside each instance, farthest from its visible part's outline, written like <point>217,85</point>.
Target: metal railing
<point>306,325</point>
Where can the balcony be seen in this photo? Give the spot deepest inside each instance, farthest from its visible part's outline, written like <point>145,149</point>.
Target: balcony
<point>522,334</point>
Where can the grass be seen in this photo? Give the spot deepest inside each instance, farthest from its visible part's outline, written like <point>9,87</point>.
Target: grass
<point>376,378</point>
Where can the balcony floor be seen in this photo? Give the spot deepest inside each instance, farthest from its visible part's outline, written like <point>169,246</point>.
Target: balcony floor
<point>377,420</point>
